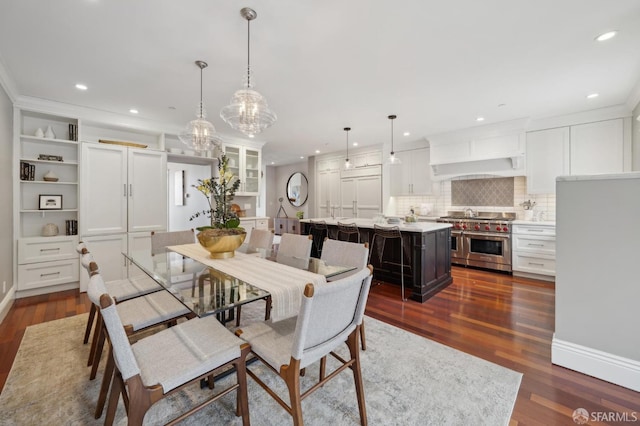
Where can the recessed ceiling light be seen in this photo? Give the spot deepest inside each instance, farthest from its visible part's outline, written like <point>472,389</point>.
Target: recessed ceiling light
<point>251,136</point>
<point>81,86</point>
<point>273,162</point>
<point>301,157</point>
<point>406,134</point>
<point>606,36</point>
<point>133,111</point>
<point>479,118</point>
<point>317,151</point>
<point>592,95</point>
<point>355,144</point>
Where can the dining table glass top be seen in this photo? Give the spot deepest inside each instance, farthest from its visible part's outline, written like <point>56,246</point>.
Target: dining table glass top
<point>206,290</point>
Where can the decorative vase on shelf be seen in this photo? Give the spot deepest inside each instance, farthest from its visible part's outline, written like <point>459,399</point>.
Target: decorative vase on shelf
<point>50,177</point>
<point>39,133</point>
<point>49,133</point>
<point>50,230</point>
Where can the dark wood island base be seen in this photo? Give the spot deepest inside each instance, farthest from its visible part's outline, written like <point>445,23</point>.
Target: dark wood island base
<point>427,255</point>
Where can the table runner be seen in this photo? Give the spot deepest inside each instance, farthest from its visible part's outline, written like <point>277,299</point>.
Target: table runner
<point>284,283</point>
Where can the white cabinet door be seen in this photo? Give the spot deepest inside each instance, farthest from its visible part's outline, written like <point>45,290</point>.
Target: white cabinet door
<point>368,196</point>
<point>147,185</point>
<point>413,175</point>
<point>328,192</point>
<point>547,158</point>
<point>245,163</point>
<point>401,174</point>
<point>348,197</point>
<point>104,189</point>
<point>248,225</point>
<point>597,147</point>
<point>107,251</point>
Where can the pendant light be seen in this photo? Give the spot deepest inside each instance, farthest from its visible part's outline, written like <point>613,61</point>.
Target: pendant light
<point>347,164</point>
<point>248,111</point>
<point>199,134</point>
<point>392,160</point>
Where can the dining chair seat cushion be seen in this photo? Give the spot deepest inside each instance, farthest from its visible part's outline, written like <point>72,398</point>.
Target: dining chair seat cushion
<point>152,309</point>
<point>271,340</point>
<point>126,289</point>
<point>184,352</point>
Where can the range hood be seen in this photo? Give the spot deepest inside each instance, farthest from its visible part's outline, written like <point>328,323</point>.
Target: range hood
<point>491,150</point>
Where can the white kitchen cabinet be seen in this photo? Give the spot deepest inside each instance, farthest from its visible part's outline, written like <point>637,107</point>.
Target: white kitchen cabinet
<point>107,251</point>
<point>413,175</point>
<point>361,192</point>
<point>365,159</point>
<point>547,158</point>
<point>250,224</point>
<point>534,250</point>
<point>124,189</point>
<point>245,162</point>
<point>597,147</point>
<point>328,187</point>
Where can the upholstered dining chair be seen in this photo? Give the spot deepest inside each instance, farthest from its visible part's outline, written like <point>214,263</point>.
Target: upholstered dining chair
<point>259,239</point>
<point>120,290</point>
<point>138,314</point>
<point>330,315</point>
<point>295,250</point>
<point>335,252</point>
<point>161,364</point>
<point>160,240</point>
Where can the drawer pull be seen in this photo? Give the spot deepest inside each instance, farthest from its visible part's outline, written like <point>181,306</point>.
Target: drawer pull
<point>536,264</point>
<point>535,230</point>
<point>51,249</point>
<point>535,245</point>
<point>50,273</point>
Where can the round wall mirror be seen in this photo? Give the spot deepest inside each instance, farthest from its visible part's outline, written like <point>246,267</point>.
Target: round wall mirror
<point>297,189</point>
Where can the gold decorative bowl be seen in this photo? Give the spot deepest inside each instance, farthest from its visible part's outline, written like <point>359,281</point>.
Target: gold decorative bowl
<point>221,243</point>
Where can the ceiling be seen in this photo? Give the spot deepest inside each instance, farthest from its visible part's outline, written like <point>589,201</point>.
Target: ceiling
<point>324,65</point>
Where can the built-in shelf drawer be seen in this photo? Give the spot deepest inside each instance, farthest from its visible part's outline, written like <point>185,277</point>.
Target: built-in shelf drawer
<point>534,244</point>
<point>542,265</point>
<point>262,223</point>
<point>45,274</point>
<point>549,231</point>
<point>46,249</point>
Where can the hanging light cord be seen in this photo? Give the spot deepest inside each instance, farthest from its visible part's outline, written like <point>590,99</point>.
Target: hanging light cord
<point>248,53</point>
<point>346,129</point>
<point>392,117</point>
<point>200,90</point>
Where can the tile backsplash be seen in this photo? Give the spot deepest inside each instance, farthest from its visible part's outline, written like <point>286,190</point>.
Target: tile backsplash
<point>482,192</point>
<point>442,203</point>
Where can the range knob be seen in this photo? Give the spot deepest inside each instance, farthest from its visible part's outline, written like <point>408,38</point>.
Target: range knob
<point>487,228</point>
<point>505,229</point>
<point>476,227</point>
<point>464,226</point>
<point>457,226</point>
<point>498,228</point>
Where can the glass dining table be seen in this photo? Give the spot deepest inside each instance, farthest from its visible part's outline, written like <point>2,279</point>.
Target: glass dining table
<point>205,290</point>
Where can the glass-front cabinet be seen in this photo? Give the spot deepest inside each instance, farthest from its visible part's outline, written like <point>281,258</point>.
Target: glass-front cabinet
<point>244,162</point>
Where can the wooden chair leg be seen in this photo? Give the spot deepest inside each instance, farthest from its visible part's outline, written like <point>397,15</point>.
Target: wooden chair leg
<point>291,375</point>
<point>323,367</point>
<point>242,407</point>
<point>98,353</point>
<point>94,341</point>
<point>267,311</point>
<point>106,381</point>
<point>363,341</point>
<point>114,396</point>
<point>238,313</point>
<point>87,331</point>
<point>352,343</point>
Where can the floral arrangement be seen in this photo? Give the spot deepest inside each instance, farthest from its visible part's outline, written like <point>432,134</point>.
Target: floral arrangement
<point>220,191</point>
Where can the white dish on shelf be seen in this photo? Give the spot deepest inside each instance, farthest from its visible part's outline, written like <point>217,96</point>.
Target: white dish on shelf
<point>175,150</point>
<point>188,152</point>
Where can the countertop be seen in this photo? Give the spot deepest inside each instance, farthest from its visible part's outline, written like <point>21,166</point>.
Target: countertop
<point>368,223</point>
<point>533,222</point>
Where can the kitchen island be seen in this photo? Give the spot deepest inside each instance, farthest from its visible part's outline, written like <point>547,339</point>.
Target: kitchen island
<point>427,251</point>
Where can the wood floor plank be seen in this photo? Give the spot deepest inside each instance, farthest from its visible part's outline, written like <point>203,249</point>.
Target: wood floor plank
<point>503,319</point>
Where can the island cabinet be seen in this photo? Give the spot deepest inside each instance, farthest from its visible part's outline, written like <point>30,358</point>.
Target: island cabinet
<point>427,255</point>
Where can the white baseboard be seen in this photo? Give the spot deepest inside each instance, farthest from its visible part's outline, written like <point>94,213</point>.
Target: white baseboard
<point>602,365</point>
<point>7,303</point>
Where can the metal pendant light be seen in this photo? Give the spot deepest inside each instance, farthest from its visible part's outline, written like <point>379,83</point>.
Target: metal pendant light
<point>347,164</point>
<point>199,134</point>
<point>248,111</point>
<point>392,160</point>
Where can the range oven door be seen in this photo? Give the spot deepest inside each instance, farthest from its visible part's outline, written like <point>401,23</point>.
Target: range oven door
<point>457,248</point>
<point>491,251</point>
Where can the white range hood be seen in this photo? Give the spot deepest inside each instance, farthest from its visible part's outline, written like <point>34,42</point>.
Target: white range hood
<point>492,150</point>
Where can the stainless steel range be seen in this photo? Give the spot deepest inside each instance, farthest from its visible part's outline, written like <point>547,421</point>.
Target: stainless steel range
<point>481,239</point>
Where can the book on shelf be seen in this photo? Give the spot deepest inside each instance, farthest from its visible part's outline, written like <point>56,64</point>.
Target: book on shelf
<point>71,227</point>
<point>73,132</point>
<point>27,171</point>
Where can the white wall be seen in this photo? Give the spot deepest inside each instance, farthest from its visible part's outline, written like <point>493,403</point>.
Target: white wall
<point>277,178</point>
<point>195,201</point>
<point>635,139</point>
<point>6,189</point>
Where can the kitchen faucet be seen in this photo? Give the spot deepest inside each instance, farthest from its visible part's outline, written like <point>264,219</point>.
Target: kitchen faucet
<point>468,212</point>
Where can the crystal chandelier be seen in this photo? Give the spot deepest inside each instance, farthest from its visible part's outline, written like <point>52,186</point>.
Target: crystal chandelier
<point>347,164</point>
<point>392,160</point>
<point>199,134</point>
<point>248,111</point>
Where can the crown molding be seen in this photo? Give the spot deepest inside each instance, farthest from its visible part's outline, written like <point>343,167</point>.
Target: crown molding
<point>7,83</point>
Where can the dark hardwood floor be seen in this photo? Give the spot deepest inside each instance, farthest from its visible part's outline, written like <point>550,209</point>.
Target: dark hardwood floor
<point>497,317</point>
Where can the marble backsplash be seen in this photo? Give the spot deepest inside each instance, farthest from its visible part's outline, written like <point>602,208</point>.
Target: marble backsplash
<point>442,202</point>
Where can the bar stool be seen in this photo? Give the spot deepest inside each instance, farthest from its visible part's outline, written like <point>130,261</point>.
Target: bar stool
<point>348,230</point>
<point>318,231</point>
<point>384,233</point>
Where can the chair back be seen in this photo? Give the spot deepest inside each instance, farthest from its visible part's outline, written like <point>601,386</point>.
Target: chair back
<point>160,240</point>
<point>294,250</point>
<point>328,314</point>
<point>122,353</point>
<point>344,253</point>
<point>349,230</point>
<point>81,246</point>
<point>318,231</point>
<point>85,261</point>
<point>261,239</point>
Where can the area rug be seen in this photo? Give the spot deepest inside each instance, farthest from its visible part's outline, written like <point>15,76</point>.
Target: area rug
<point>408,380</point>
